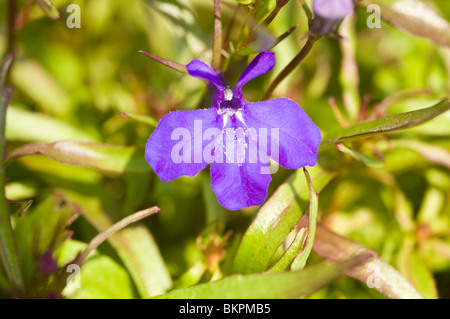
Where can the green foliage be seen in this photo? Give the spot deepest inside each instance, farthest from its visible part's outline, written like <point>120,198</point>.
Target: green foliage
<point>77,106</point>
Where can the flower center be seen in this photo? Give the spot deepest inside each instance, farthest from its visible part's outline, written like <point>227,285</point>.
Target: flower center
<point>231,102</point>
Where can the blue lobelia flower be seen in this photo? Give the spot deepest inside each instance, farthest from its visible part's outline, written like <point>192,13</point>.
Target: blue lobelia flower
<point>328,14</point>
<point>234,137</point>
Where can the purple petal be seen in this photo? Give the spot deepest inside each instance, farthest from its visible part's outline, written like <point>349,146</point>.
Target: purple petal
<point>289,130</point>
<point>239,185</point>
<point>176,146</point>
<point>200,69</point>
<point>333,9</point>
<point>263,63</point>
<point>238,179</point>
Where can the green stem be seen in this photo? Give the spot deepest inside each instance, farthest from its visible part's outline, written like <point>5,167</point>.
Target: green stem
<point>292,65</point>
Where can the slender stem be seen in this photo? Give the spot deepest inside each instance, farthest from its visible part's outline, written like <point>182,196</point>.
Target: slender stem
<point>217,45</point>
<point>12,14</point>
<point>104,235</point>
<point>279,5</point>
<point>171,64</point>
<point>292,65</point>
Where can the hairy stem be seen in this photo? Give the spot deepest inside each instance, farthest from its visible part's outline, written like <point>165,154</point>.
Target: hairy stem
<point>217,45</point>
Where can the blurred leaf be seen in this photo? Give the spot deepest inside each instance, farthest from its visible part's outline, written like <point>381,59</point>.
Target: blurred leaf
<point>35,81</point>
<point>111,158</point>
<point>275,220</point>
<point>9,258</point>
<point>349,74</point>
<point>433,153</point>
<point>413,268</point>
<point>99,278</point>
<point>29,126</point>
<point>415,17</point>
<point>369,161</point>
<point>184,19</point>
<point>135,246</point>
<point>49,9</point>
<point>141,118</point>
<point>389,124</point>
<point>375,272</point>
<point>42,229</point>
<point>284,285</point>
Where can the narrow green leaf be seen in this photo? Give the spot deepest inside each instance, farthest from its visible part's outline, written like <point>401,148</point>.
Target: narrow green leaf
<point>275,221</point>
<point>349,75</point>
<point>389,124</point>
<point>35,81</point>
<point>141,118</point>
<point>300,261</point>
<point>22,125</point>
<point>433,153</point>
<point>49,9</point>
<point>413,16</point>
<point>375,272</point>
<point>9,257</point>
<point>367,160</point>
<point>111,158</point>
<point>283,285</point>
<point>291,252</point>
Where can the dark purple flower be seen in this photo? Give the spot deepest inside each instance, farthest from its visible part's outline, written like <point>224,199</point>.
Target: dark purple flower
<point>234,137</point>
<point>329,13</point>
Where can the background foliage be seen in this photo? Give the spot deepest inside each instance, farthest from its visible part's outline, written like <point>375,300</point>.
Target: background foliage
<point>85,101</point>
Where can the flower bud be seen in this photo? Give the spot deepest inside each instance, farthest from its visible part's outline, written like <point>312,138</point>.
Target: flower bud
<point>328,14</point>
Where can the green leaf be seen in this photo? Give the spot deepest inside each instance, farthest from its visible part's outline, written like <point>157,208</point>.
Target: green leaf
<point>111,158</point>
<point>35,81</point>
<point>294,284</point>
<point>413,16</point>
<point>367,160</point>
<point>22,125</point>
<point>141,118</point>
<point>375,272</point>
<point>9,257</point>
<point>99,278</point>
<point>300,261</point>
<point>389,124</point>
<point>275,221</point>
<point>40,230</point>
<point>433,153</point>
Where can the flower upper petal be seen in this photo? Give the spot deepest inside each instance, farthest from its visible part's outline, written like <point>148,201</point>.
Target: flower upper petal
<point>200,69</point>
<point>263,63</point>
<point>297,137</point>
<point>176,146</point>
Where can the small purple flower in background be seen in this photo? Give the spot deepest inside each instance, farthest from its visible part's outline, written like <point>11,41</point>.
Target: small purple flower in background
<point>329,13</point>
<point>47,264</point>
<point>226,136</point>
